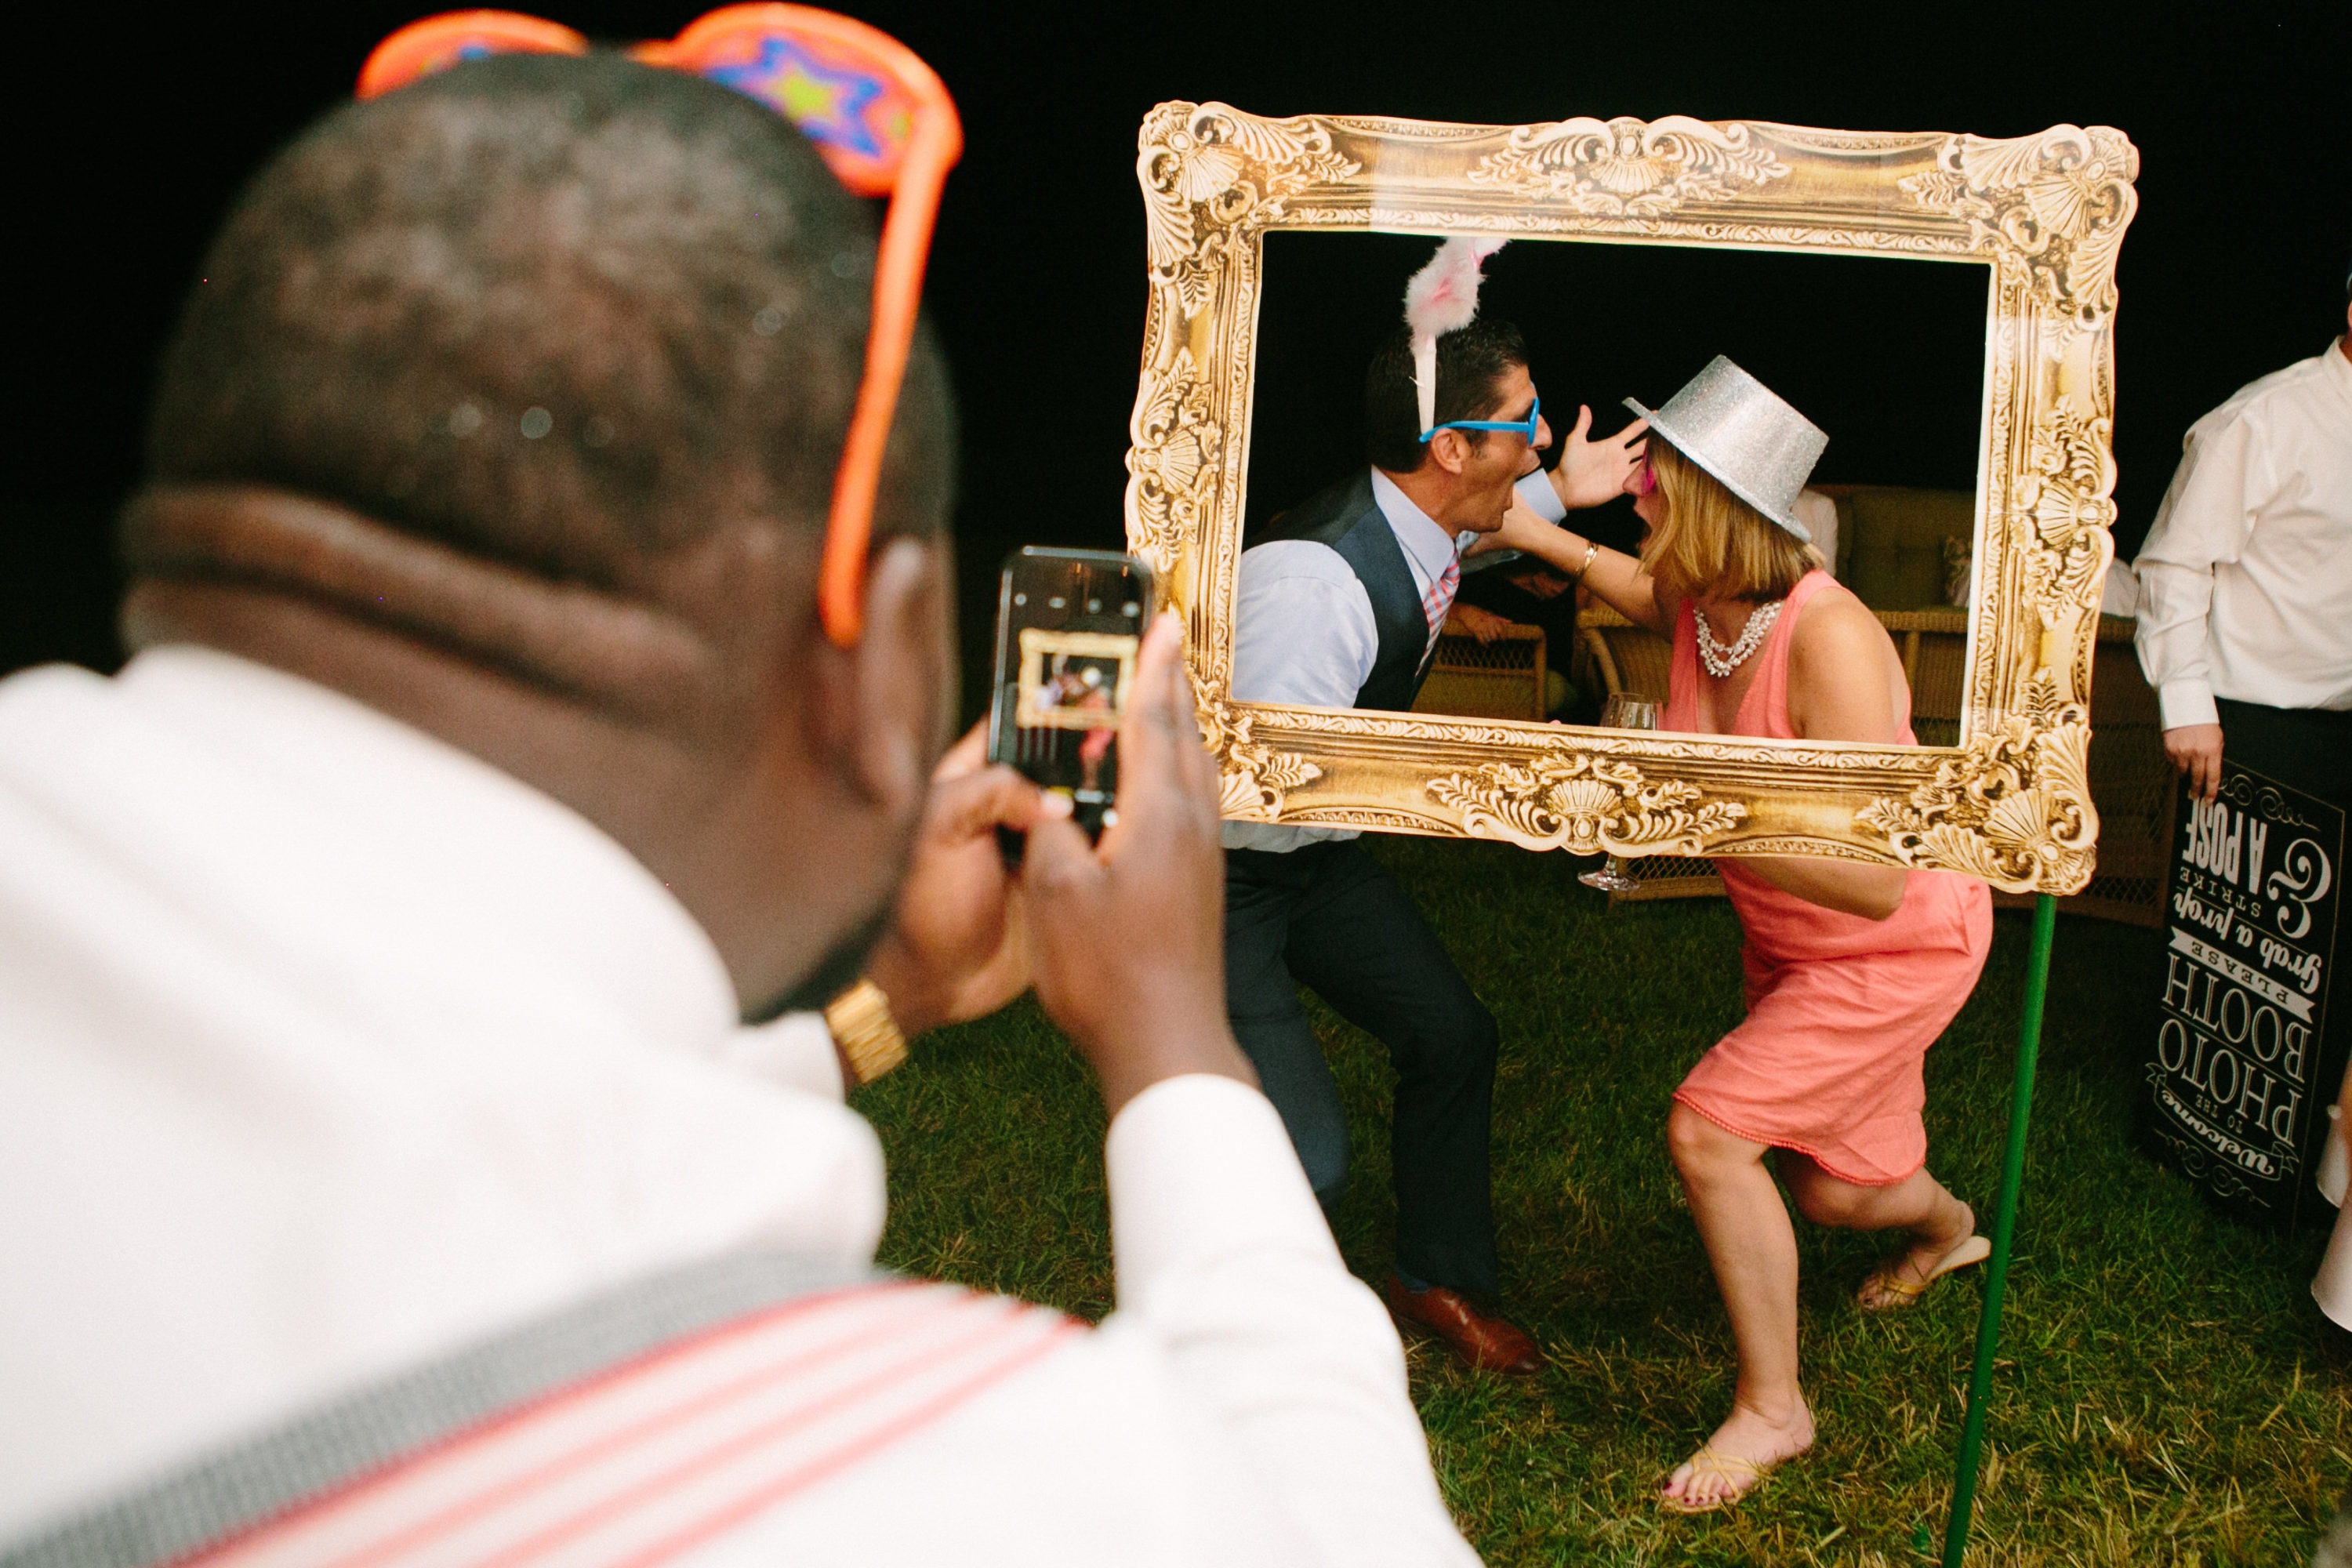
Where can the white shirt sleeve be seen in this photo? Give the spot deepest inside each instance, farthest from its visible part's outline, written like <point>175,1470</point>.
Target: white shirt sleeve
<point>2203,523</point>
<point>1228,1266</point>
<point>1245,1407</point>
<point>795,1051</point>
<point>1302,630</point>
<point>1818,512</point>
<point>1542,499</point>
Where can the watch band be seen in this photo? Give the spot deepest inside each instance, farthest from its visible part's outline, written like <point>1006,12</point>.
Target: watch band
<point>862,1027</point>
<point>1591,554</point>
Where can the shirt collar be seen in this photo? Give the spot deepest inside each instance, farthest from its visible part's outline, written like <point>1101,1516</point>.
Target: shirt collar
<point>1431,549</point>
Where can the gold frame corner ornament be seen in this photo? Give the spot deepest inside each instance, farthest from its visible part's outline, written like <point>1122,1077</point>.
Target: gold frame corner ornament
<point>2045,214</point>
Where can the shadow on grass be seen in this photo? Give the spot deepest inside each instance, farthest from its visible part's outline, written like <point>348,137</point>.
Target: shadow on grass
<point>2167,1391</point>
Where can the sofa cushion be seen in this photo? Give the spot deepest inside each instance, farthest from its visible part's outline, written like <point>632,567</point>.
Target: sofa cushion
<point>1892,539</point>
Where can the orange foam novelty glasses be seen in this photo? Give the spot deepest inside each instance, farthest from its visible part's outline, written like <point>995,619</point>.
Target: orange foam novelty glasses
<point>886,127</point>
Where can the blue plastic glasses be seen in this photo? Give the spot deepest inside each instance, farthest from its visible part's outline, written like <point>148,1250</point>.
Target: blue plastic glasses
<point>1524,427</point>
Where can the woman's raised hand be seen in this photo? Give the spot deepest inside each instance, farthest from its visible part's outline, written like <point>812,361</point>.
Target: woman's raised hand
<point>1591,472</point>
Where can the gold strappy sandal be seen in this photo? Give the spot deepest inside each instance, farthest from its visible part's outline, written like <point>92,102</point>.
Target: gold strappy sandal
<point>1901,1292</point>
<point>1744,1476</point>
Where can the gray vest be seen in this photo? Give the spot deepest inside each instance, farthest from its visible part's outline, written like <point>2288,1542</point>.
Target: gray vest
<point>1347,518</point>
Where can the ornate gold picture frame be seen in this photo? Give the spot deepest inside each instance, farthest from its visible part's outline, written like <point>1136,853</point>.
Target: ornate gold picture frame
<point>1052,699</point>
<point>2010,803</point>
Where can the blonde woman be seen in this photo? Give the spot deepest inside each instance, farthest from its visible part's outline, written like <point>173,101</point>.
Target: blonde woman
<point>1851,971</point>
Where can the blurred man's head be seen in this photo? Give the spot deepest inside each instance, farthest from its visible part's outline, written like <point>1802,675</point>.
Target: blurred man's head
<point>1463,478</point>
<point>510,403</point>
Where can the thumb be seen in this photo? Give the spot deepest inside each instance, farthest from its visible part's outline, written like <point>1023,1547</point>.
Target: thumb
<point>976,803</point>
<point>1059,859</point>
<point>1584,422</point>
<point>968,756</point>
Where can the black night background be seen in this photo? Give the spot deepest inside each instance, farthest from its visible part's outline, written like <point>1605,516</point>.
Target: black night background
<point>132,136</point>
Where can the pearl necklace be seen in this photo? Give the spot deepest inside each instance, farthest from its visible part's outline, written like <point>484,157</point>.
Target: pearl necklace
<point>1721,662</point>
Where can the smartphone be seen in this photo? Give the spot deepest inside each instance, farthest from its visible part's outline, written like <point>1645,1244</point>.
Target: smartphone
<point>1068,625</point>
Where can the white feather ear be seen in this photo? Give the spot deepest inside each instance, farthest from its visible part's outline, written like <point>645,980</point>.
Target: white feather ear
<point>1425,379</point>
<point>1442,298</point>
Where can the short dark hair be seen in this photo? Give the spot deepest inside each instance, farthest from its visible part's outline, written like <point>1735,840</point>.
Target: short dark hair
<point>1469,363</point>
<point>563,312</point>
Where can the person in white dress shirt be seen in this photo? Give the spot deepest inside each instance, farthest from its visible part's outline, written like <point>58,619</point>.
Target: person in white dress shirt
<point>2246,583</point>
<point>409,1148</point>
<point>1341,601</point>
<point>2245,618</point>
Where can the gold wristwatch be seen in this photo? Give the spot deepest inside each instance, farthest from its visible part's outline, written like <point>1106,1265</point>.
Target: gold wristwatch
<point>867,1036</point>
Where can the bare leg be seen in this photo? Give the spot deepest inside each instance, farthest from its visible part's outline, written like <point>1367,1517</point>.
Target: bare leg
<point>1753,1247</point>
<point>1937,1221</point>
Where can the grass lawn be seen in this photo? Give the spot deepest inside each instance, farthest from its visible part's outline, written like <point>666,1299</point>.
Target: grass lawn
<point>2168,1393</point>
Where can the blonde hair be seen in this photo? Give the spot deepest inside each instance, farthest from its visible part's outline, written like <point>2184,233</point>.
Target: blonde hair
<point>1707,544</point>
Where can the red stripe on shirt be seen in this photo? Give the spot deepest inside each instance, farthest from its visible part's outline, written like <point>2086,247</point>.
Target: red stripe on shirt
<point>649,1489</point>
<point>1011,1336</point>
<point>708,1401</point>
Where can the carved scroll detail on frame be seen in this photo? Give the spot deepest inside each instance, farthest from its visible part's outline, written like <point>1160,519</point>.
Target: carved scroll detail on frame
<point>2045,213</point>
<point>1626,167</point>
<point>1255,778</point>
<point>2059,201</point>
<point>1213,176</point>
<point>1174,461</point>
<point>2065,489</point>
<point>1584,804</point>
<point>2014,807</point>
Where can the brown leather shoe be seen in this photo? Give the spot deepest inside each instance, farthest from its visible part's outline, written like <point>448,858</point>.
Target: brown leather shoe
<point>1490,1344</point>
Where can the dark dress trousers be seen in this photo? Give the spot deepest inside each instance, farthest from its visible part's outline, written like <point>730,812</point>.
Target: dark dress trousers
<point>1327,915</point>
<point>2309,749</point>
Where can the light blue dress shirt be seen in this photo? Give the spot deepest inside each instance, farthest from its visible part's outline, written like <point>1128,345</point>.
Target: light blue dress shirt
<point>1303,629</point>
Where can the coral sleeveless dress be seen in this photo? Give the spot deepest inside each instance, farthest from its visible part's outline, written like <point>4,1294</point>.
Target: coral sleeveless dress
<point>1841,1010</point>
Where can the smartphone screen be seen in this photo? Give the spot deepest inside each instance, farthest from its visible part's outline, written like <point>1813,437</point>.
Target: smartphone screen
<point>1068,625</point>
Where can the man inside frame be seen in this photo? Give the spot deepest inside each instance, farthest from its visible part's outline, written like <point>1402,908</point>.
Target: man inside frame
<point>1339,604</point>
<point>387,1099</point>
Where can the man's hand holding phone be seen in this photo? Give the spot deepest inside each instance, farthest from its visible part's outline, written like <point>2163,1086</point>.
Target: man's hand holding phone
<point>957,948</point>
<point>1124,939</point>
<point>1127,937</point>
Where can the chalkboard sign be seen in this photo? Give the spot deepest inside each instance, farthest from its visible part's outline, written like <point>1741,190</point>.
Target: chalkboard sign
<point>2241,1077</point>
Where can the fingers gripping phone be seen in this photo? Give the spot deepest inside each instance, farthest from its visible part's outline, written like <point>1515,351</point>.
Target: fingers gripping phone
<point>1068,624</point>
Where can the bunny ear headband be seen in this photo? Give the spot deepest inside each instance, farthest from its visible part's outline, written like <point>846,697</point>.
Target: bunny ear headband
<point>884,125</point>
<point>1442,298</point>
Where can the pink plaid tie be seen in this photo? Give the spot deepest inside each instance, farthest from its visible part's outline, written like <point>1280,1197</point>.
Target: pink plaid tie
<point>1437,601</point>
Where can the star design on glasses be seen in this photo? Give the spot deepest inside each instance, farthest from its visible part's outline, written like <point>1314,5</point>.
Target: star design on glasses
<point>827,104</point>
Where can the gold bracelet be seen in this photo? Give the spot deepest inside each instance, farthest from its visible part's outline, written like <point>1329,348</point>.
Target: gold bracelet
<point>1591,554</point>
<point>862,1027</point>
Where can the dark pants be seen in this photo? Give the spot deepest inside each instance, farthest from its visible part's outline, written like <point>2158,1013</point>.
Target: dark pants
<point>1329,917</point>
<point>2309,749</point>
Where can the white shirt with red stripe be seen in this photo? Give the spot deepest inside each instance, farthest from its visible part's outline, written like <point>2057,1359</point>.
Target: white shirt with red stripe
<point>332,1050</point>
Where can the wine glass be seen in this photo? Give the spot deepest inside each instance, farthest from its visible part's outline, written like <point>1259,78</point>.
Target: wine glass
<point>1623,710</point>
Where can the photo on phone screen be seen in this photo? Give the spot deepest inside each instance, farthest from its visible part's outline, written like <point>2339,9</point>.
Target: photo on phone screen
<point>1069,623</point>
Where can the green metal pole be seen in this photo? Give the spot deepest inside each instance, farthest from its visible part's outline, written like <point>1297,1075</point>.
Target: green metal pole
<point>2004,1227</point>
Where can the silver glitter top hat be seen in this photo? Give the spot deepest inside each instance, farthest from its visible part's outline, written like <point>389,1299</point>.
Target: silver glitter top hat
<point>1738,429</point>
